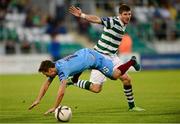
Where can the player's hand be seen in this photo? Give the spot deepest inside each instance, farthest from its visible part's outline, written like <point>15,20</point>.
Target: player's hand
<point>76,11</point>
<point>52,110</point>
<point>34,104</point>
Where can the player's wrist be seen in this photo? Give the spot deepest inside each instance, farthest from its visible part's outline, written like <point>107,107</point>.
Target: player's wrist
<point>83,15</point>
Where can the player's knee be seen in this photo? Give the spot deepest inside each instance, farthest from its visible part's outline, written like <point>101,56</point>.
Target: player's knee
<point>96,88</point>
<point>126,80</point>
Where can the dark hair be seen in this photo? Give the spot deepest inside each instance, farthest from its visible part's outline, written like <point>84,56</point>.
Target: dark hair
<point>45,65</point>
<point>124,8</point>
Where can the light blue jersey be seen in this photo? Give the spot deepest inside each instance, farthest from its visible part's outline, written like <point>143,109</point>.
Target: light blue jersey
<point>82,60</point>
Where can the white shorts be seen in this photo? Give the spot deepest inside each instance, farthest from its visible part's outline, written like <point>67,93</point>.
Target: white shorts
<point>97,77</point>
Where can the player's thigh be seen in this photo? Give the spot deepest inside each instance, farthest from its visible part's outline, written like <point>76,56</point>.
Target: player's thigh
<point>97,77</point>
<point>126,79</point>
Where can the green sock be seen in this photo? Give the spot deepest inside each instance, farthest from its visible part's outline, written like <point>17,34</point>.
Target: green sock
<point>84,84</point>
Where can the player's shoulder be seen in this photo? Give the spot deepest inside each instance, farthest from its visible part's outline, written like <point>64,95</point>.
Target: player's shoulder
<point>84,50</point>
<point>105,18</point>
<point>115,17</point>
<point>87,49</point>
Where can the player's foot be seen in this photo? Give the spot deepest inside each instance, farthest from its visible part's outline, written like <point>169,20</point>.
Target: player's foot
<point>69,82</point>
<point>136,109</point>
<point>136,66</point>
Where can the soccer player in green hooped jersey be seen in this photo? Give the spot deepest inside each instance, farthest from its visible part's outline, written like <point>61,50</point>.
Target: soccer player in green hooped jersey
<point>114,29</point>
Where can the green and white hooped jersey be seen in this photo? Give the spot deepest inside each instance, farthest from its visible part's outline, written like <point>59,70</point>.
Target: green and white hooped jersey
<point>112,35</point>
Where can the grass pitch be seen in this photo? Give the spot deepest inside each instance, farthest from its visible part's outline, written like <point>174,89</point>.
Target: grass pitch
<point>156,91</point>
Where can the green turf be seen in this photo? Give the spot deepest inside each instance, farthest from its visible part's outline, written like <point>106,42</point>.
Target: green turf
<point>156,91</point>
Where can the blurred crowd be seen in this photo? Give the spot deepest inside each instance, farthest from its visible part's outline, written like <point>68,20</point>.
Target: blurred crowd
<point>153,19</point>
<point>25,23</point>
<point>164,17</point>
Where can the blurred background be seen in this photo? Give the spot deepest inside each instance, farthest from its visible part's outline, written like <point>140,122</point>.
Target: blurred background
<point>34,30</point>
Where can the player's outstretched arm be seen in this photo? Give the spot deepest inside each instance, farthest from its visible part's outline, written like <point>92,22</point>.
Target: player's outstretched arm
<point>59,97</point>
<point>78,13</point>
<point>42,92</point>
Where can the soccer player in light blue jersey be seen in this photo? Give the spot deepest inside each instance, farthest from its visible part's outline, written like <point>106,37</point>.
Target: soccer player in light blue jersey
<point>75,64</point>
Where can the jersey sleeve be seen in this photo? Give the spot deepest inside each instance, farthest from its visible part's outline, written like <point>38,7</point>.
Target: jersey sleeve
<point>62,76</point>
<point>107,22</point>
